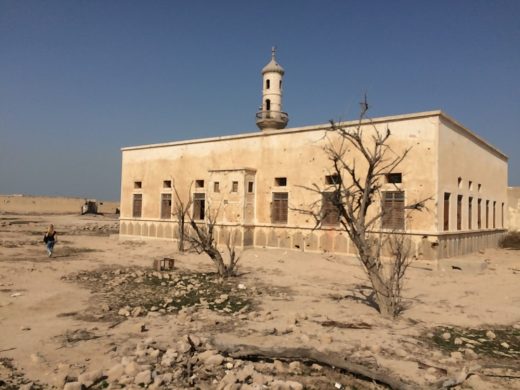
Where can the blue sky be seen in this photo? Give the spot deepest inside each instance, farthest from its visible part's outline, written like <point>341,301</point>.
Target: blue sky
<point>81,79</point>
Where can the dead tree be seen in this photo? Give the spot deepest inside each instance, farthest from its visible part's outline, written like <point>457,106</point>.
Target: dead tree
<point>181,211</point>
<point>201,237</point>
<point>361,158</point>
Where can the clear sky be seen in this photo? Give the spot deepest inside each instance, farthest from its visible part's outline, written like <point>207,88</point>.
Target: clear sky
<point>81,79</point>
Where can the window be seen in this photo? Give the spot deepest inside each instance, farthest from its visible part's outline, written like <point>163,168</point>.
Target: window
<point>137,205</point>
<point>138,185</point>
<point>267,84</point>
<point>329,210</point>
<point>280,84</point>
<point>279,207</point>
<point>250,187</point>
<point>394,178</point>
<point>393,210</point>
<point>487,214</point>
<point>459,212</point>
<point>479,214</point>
<point>216,186</point>
<point>446,211</point>
<point>332,179</point>
<point>494,213</point>
<point>166,206</point>
<point>470,211</point>
<point>479,187</point>
<point>199,206</point>
<point>267,105</point>
<point>459,182</point>
<point>280,181</point>
<point>199,183</point>
<point>167,184</point>
<point>502,215</point>
<point>234,186</point>
<point>470,185</point>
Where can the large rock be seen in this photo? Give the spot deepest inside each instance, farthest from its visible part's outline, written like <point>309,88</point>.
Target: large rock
<point>72,386</point>
<point>143,378</point>
<point>89,378</point>
<point>115,372</point>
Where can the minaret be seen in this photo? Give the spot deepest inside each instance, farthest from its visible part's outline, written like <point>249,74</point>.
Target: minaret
<point>270,115</point>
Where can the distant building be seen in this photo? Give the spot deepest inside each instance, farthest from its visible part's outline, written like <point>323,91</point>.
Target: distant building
<point>255,181</point>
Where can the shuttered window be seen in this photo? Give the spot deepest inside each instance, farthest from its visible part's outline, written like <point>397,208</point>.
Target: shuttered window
<point>393,210</point>
<point>479,214</point>
<point>446,211</point>
<point>459,212</point>
<point>279,207</point>
<point>199,206</point>
<point>487,214</point>
<point>166,206</point>
<point>137,205</point>
<point>329,210</point>
<point>470,212</point>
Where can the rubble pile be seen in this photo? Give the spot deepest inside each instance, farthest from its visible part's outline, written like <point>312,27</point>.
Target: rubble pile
<point>135,292</point>
<point>464,344</point>
<point>96,229</point>
<point>191,363</point>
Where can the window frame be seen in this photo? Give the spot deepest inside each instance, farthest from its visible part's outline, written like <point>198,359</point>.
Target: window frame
<point>280,208</point>
<point>394,219</point>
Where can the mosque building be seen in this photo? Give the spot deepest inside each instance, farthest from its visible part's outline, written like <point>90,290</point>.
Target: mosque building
<point>255,182</point>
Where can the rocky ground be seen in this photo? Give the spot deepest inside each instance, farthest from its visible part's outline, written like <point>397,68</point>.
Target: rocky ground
<point>97,315</point>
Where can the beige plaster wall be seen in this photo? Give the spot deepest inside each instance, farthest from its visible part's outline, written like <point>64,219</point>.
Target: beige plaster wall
<point>513,201</point>
<point>439,151</point>
<point>27,204</point>
<point>295,154</point>
<point>463,155</point>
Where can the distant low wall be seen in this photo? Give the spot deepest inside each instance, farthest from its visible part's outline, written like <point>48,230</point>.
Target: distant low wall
<point>26,204</point>
<point>513,200</point>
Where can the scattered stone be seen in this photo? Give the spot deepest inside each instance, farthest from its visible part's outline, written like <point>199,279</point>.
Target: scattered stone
<point>457,341</point>
<point>25,327</point>
<point>446,336</point>
<point>115,372</point>
<point>89,378</point>
<point>456,355</point>
<point>470,354</point>
<point>491,335</point>
<point>295,367</point>
<point>143,378</point>
<point>505,345</point>
<point>401,352</point>
<point>72,386</point>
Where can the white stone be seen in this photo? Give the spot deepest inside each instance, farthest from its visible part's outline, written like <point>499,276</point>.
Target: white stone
<point>89,378</point>
<point>491,335</point>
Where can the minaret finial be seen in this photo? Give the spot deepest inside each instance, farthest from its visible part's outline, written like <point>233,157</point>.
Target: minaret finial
<point>273,52</point>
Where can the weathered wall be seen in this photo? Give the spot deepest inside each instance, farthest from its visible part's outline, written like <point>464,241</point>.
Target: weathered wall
<point>513,201</point>
<point>483,175</point>
<point>295,154</point>
<point>27,204</point>
<point>298,155</point>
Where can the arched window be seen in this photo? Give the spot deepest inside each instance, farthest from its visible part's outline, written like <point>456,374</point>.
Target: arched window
<point>267,84</point>
<point>267,105</point>
<point>280,84</point>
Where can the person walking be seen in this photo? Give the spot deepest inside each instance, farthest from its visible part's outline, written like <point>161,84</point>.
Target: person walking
<point>50,239</point>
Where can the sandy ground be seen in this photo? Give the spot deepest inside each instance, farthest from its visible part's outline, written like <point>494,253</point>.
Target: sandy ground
<point>297,300</point>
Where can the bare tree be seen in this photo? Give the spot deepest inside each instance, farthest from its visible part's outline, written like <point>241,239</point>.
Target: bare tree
<point>355,186</point>
<point>201,237</point>
<point>181,211</point>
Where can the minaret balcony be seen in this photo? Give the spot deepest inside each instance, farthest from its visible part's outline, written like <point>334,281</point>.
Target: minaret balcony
<point>269,119</point>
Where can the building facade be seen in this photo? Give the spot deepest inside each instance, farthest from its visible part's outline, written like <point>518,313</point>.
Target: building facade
<point>256,182</point>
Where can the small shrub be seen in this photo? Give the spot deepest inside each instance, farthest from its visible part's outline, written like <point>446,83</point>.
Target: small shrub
<point>510,241</point>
